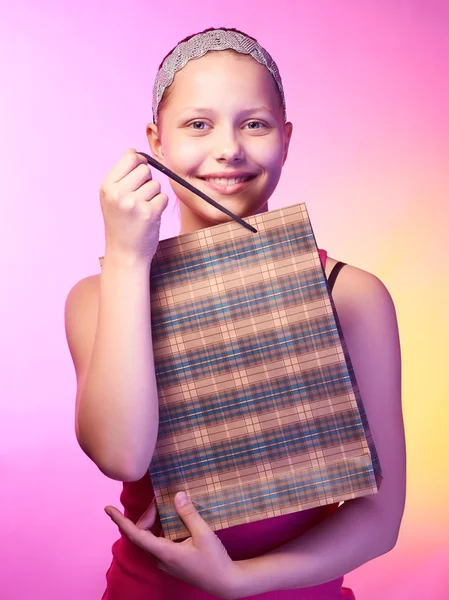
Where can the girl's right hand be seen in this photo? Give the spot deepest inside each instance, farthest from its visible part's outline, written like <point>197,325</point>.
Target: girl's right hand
<point>132,205</point>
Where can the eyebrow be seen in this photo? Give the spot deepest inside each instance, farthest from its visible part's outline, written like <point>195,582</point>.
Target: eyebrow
<point>242,112</point>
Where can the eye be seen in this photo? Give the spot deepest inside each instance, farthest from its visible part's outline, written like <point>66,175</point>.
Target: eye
<point>255,125</point>
<point>197,125</point>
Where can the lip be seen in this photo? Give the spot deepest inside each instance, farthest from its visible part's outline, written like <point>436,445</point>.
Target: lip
<point>227,190</point>
<point>229,174</point>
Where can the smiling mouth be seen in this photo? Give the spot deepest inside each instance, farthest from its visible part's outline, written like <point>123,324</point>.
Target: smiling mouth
<point>227,186</point>
<point>227,180</point>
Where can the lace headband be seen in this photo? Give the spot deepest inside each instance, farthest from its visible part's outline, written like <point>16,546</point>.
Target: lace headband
<point>199,45</point>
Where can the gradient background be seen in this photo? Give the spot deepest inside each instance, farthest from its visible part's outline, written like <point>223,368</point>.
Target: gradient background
<point>367,90</point>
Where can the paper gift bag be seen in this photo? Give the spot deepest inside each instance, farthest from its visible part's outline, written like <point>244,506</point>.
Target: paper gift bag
<point>260,413</point>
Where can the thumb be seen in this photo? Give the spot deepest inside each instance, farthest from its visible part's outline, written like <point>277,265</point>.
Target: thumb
<point>148,518</point>
<point>188,513</point>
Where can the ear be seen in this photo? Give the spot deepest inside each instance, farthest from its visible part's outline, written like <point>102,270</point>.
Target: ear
<point>155,142</point>
<point>288,130</point>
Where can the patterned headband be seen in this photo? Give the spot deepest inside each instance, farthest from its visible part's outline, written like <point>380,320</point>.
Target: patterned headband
<point>199,45</point>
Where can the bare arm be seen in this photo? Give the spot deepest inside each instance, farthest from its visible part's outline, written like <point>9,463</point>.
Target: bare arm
<point>364,528</point>
<point>108,328</point>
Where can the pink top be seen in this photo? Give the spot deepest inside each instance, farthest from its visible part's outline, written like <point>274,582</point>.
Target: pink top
<point>133,573</point>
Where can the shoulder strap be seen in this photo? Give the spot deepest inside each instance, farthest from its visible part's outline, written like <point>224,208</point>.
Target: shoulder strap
<point>333,274</point>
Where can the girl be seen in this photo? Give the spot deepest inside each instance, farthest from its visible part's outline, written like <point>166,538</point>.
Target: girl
<point>219,122</point>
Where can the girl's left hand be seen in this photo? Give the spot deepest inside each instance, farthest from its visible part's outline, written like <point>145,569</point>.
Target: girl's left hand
<point>201,560</point>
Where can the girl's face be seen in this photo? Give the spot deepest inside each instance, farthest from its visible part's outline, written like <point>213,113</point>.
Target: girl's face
<point>221,128</point>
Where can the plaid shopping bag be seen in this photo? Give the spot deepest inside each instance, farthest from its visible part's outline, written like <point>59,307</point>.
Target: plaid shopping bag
<point>260,413</point>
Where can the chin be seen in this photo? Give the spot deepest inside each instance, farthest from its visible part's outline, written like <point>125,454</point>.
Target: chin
<point>242,205</point>
<point>215,216</point>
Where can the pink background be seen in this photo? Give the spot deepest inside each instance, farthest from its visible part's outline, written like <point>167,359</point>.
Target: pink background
<point>367,90</point>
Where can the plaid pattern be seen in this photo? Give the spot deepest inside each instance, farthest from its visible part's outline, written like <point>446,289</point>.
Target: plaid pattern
<point>260,413</point>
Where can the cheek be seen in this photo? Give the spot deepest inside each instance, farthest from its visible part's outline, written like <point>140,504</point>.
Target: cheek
<point>268,153</point>
<point>182,153</point>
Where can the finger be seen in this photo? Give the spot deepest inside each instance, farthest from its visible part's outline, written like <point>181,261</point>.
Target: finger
<point>160,203</point>
<point>147,190</point>
<point>125,165</point>
<point>155,206</point>
<point>140,537</point>
<point>148,518</point>
<point>191,517</point>
<point>136,178</point>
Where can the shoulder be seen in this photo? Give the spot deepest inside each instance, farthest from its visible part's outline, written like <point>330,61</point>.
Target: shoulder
<point>80,314</point>
<point>360,295</point>
<point>82,291</point>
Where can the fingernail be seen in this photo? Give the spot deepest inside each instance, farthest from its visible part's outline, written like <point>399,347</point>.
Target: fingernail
<point>108,512</point>
<point>181,499</point>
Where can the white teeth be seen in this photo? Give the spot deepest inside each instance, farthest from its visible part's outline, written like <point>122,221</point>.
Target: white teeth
<point>226,180</point>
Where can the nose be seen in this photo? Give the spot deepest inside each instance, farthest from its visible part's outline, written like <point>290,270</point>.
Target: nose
<point>228,146</point>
